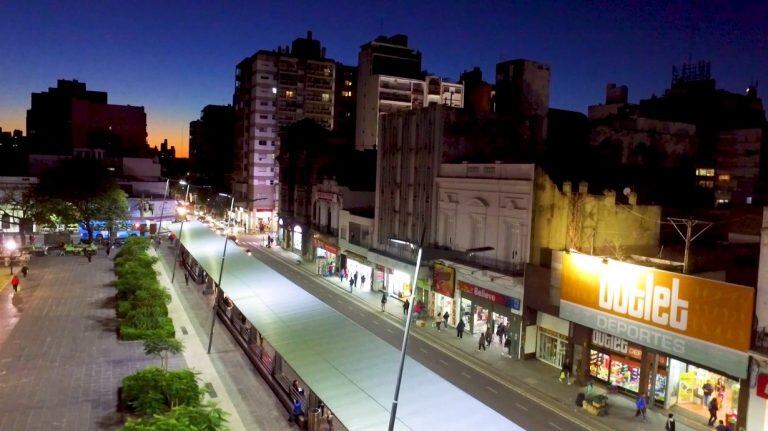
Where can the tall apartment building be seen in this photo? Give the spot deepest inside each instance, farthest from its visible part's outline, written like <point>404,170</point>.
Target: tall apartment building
<point>274,89</point>
<point>211,143</point>
<point>390,80</point>
<point>522,92</point>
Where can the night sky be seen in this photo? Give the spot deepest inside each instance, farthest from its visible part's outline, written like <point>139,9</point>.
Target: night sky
<point>174,57</point>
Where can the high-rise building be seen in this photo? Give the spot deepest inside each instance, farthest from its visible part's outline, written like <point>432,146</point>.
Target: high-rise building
<point>211,146</point>
<point>275,89</point>
<point>344,100</point>
<point>69,118</point>
<point>390,80</point>
<point>522,92</point>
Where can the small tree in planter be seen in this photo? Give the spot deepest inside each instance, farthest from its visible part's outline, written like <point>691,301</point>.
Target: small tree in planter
<point>201,418</point>
<point>154,390</point>
<point>163,348</point>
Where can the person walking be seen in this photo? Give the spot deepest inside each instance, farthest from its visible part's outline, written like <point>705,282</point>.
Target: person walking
<point>351,283</point>
<point>355,277</point>
<point>383,300</point>
<point>670,425</point>
<point>720,426</point>
<point>24,271</point>
<point>186,278</point>
<point>88,255</point>
<point>406,305</point>
<point>362,280</point>
<point>641,406</point>
<point>460,329</point>
<point>15,283</point>
<point>438,321</point>
<point>445,318</point>
<point>296,410</point>
<point>109,246</point>
<point>481,342</point>
<point>507,347</point>
<point>489,334</point>
<point>712,407</point>
<point>707,389</point>
<point>501,331</point>
<point>341,275</point>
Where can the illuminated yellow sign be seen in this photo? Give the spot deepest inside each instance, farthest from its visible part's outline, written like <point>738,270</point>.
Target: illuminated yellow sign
<point>704,309</point>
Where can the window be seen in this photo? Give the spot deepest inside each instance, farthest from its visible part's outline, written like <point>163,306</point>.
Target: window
<point>724,177</point>
<point>262,143</point>
<point>346,93</point>
<point>706,184</point>
<point>264,117</point>
<point>749,200</point>
<point>264,103</point>
<point>705,172</point>
<point>264,77</point>
<point>262,129</point>
<point>289,94</point>
<point>274,90</point>
<point>326,97</point>
<point>347,83</point>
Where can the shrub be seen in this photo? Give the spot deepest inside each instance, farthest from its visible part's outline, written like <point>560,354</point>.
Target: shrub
<point>163,330</point>
<point>200,418</point>
<point>123,308</point>
<point>153,390</point>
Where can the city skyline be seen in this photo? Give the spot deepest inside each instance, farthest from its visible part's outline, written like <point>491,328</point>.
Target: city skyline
<point>181,59</point>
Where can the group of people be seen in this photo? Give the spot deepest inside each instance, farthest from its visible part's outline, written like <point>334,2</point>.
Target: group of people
<point>353,279</point>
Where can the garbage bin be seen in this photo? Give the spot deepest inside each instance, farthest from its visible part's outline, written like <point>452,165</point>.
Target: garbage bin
<point>313,423</point>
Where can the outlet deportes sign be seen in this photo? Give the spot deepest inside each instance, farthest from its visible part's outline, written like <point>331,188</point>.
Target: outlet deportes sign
<point>669,312</point>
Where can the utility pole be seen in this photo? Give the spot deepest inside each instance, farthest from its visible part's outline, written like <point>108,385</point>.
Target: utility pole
<point>689,235</point>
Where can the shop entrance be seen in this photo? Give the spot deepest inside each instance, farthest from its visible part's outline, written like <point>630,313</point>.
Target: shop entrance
<point>443,304</point>
<point>364,274</point>
<point>552,347</point>
<point>399,284</point>
<point>326,262</point>
<point>687,390</point>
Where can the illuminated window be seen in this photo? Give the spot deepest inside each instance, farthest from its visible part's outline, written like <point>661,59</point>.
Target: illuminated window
<point>346,93</point>
<point>706,184</point>
<point>289,93</point>
<point>326,97</point>
<point>705,172</point>
<point>749,200</point>
<point>724,177</point>
<point>348,83</point>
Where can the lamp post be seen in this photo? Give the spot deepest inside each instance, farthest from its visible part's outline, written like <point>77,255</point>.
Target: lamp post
<point>186,195</point>
<point>221,273</point>
<point>162,207</point>
<point>182,211</point>
<point>10,245</point>
<point>231,208</point>
<point>433,254</point>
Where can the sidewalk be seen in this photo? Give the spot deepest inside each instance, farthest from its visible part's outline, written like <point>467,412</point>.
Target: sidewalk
<point>238,387</point>
<point>534,378</point>
<point>60,360</point>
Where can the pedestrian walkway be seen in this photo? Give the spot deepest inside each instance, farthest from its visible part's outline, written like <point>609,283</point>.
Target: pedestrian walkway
<point>60,361</point>
<point>536,379</point>
<point>237,385</point>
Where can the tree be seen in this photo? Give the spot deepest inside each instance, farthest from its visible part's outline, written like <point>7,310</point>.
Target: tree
<point>163,348</point>
<point>18,206</point>
<point>83,190</point>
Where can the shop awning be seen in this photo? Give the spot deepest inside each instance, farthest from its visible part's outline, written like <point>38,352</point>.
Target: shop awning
<point>349,368</point>
<point>356,257</point>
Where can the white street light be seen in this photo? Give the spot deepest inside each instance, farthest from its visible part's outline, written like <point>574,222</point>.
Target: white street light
<point>181,211</point>
<point>10,245</point>
<point>433,254</point>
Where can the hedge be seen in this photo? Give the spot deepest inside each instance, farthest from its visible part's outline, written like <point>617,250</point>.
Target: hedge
<point>154,390</point>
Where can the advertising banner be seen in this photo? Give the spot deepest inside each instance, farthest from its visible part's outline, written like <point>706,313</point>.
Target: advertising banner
<point>444,278</point>
<point>498,298</point>
<point>670,312</point>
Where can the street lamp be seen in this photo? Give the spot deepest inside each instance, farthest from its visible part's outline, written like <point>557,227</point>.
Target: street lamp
<point>231,208</point>
<point>10,245</point>
<point>433,254</point>
<point>186,195</point>
<point>181,211</point>
<point>221,273</point>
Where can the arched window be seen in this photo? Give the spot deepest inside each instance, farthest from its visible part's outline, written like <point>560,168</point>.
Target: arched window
<point>297,238</point>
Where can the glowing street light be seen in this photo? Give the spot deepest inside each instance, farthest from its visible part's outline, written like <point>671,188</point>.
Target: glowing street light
<point>10,245</point>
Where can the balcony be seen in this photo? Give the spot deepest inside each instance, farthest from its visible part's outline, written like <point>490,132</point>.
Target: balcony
<point>395,97</point>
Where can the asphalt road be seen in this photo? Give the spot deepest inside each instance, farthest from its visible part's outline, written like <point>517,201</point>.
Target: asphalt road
<point>507,401</point>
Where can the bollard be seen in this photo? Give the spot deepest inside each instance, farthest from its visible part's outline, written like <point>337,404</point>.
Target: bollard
<point>314,420</point>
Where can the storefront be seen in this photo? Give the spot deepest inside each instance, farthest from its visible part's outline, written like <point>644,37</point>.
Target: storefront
<point>296,240</point>
<point>358,265</point>
<point>326,257</point>
<point>654,332</point>
<point>551,339</point>
<point>392,275</point>
<point>444,288</point>
<point>484,309</point>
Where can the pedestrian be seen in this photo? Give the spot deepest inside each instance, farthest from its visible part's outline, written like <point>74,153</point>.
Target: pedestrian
<point>445,318</point>
<point>383,300</point>
<point>589,388</point>
<point>640,405</point>
<point>351,283</point>
<point>186,278</point>
<point>15,283</point>
<point>707,389</point>
<point>362,281</point>
<point>670,425</point>
<point>489,334</point>
<point>88,255</point>
<point>438,321</point>
<point>296,411</point>
<point>508,346</point>
<point>297,388</point>
<point>417,309</point>
<point>109,247</point>
<point>720,426</point>
<point>24,270</point>
<point>481,342</point>
<point>406,306</point>
<point>500,331</point>
<point>713,407</point>
<point>355,277</point>
<point>341,275</point>
<point>460,329</point>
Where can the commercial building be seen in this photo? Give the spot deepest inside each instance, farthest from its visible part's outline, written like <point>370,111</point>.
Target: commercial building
<point>390,80</point>
<point>68,117</point>
<point>275,89</point>
<point>211,146</point>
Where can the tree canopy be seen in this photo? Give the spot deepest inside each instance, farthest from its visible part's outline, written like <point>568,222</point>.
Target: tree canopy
<point>81,191</point>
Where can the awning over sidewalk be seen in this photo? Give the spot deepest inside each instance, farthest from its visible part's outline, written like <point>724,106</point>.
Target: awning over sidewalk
<point>350,369</point>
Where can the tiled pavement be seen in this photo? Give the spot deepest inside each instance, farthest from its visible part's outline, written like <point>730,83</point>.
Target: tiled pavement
<point>60,360</point>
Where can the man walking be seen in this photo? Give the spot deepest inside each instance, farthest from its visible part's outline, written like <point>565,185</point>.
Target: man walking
<point>406,305</point>
<point>641,406</point>
<point>438,321</point>
<point>15,283</point>
<point>670,425</point>
<point>501,330</point>
<point>445,318</point>
<point>186,278</point>
<point>383,300</point>
<point>88,255</point>
<point>460,329</point>
<point>296,411</point>
<point>24,271</point>
<point>713,407</point>
<point>481,342</point>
